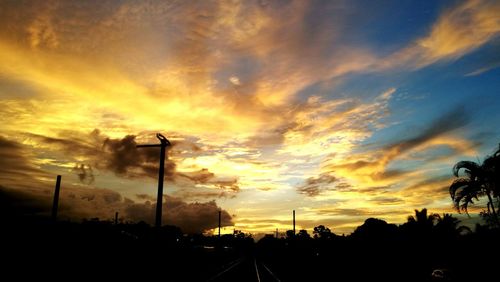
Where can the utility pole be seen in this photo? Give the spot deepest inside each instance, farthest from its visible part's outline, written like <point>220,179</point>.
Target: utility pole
<point>276,233</point>
<point>55,203</point>
<point>293,222</point>
<point>159,200</point>
<point>219,222</point>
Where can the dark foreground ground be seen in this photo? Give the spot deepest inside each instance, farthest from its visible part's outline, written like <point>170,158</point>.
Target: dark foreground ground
<point>65,251</point>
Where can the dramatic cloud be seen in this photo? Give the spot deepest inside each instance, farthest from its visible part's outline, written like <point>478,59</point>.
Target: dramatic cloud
<point>191,217</point>
<point>374,164</point>
<point>122,157</point>
<point>77,203</point>
<point>260,99</point>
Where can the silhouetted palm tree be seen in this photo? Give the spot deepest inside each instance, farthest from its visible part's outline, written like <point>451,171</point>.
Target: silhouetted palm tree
<point>419,226</point>
<point>447,220</point>
<point>480,180</point>
<point>447,226</point>
<point>422,219</point>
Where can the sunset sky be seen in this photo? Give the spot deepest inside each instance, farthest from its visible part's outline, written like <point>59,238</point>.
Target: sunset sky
<point>341,110</point>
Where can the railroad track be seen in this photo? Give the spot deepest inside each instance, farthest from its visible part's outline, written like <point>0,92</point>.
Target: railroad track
<point>245,269</point>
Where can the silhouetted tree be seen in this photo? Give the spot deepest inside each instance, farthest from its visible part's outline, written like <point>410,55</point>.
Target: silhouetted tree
<point>374,228</point>
<point>447,226</point>
<point>322,232</point>
<point>423,220</point>
<point>419,226</point>
<point>303,234</point>
<point>289,234</point>
<point>447,221</point>
<point>479,180</point>
<point>239,234</point>
<point>170,232</point>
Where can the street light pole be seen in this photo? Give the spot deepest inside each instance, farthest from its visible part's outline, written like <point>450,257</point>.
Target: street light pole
<point>159,200</point>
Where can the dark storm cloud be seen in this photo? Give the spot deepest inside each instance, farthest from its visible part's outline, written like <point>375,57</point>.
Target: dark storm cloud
<point>125,159</point>
<point>123,154</point>
<point>122,157</point>
<point>77,203</point>
<point>114,154</point>
<point>190,217</point>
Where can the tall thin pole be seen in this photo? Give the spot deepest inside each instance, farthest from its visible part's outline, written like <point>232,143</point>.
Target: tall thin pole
<point>293,222</point>
<point>159,201</point>
<point>219,224</point>
<point>276,232</point>
<point>55,203</point>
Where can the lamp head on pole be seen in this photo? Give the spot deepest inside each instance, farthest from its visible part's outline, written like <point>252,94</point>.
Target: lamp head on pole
<point>164,141</point>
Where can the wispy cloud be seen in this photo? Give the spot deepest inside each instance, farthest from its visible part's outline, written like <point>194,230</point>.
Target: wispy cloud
<point>484,69</point>
<point>458,31</point>
<point>373,166</point>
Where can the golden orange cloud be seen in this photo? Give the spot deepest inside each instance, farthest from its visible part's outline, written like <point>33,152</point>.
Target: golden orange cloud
<point>458,31</point>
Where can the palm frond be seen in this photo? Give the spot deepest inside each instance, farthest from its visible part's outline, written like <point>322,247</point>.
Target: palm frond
<point>480,179</point>
<point>463,191</point>
<point>457,185</point>
<point>472,168</point>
